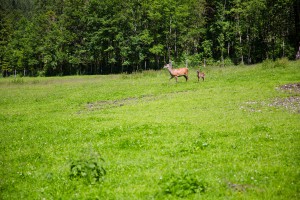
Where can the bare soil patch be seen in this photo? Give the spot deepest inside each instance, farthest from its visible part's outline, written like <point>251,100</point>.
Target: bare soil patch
<point>99,105</point>
<point>291,103</point>
<point>292,88</point>
<point>107,104</point>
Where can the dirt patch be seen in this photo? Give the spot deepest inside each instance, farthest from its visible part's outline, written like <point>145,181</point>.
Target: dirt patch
<point>292,88</point>
<point>238,187</point>
<point>99,105</point>
<point>291,103</point>
<point>252,106</point>
<point>107,104</point>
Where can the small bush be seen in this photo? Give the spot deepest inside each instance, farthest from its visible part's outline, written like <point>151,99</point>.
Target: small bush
<point>266,64</point>
<point>279,63</point>
<point>41,73</point>
<point>283,62</point>
<point>228,62</point>
<point>17,80</point>
<point>183,185</point>
<point>90,169</point>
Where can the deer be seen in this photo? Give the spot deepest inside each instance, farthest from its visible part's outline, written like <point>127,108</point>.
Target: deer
<point>200,75</point>
<point>177,72</point>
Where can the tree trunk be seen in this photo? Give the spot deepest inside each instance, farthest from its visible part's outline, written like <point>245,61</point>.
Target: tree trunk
<point>240,39</point>
<point>297,21</point>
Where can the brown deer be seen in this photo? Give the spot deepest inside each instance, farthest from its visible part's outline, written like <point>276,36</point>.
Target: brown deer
<point>177,72</point>
<point>200,75</point>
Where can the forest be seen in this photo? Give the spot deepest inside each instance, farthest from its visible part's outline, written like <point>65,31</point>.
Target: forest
<point>69,37</point>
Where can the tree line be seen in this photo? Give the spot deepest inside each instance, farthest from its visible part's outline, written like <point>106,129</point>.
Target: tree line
<point>65,37</point>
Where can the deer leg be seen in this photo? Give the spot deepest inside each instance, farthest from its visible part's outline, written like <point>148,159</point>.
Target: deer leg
<point>186,77</point>
<point>176,79</point>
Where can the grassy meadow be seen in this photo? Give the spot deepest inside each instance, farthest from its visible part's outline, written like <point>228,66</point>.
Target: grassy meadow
<point>142,136</point>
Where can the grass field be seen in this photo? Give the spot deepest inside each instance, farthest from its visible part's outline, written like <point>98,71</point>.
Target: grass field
<point>140,136</point>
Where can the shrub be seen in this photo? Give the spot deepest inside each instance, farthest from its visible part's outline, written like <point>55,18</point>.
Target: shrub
<point>90,169</point>
<point>17,80</point>
<point>266,64</point>
<point>283,62</point>
<point>41,73</point>
<point>183,185</point>
<point>279,63</point>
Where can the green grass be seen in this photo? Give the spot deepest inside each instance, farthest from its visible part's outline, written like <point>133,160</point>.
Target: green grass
<point>218,139</point>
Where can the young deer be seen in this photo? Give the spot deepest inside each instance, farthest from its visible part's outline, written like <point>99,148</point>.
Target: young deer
<point>200,75</point>
<point>177,72</point>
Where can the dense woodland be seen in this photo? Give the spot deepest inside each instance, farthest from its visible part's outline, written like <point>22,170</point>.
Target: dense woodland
<point>63,37</point>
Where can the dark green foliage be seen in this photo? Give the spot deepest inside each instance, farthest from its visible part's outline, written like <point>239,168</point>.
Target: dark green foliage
<point>183,185</point>
<point>90,169</point>
<point>46,38</point>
